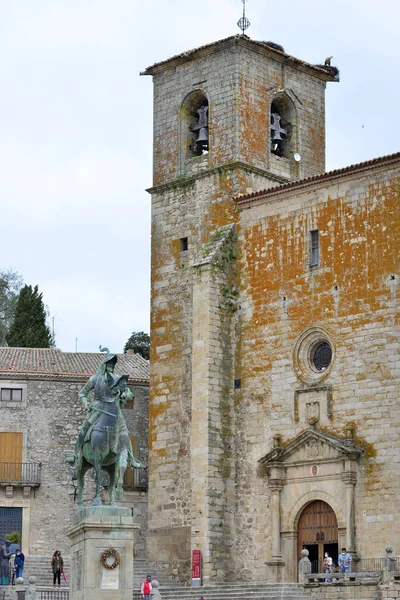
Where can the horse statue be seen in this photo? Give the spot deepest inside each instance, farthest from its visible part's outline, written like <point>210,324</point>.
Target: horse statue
<point>103,442</point>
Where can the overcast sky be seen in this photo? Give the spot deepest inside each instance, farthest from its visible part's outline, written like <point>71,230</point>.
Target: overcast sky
<point>76,132</point>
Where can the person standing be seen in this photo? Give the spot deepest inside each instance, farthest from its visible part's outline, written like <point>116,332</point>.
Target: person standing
<point>57,564</point>
<point>12,568</point>
<point>4,563</point>
<point>19,561</point>
<point>146,588</point>
<point>327,566</point>
<point>344,561</point>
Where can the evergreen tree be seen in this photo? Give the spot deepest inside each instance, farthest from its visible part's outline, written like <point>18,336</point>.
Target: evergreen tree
<point>139,342</point>
<point>10,285</point>
<point>29,329</point>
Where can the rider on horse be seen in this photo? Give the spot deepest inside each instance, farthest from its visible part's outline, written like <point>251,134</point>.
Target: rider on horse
<point>107,387</point>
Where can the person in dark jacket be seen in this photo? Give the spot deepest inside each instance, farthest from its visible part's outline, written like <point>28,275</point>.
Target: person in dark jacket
<point>19,563</point>
<point>57,564</point>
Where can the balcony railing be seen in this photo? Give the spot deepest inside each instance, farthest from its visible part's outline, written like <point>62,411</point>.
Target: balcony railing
<point>363,565</point>
<point>20,473</point>
<point>136,479</point>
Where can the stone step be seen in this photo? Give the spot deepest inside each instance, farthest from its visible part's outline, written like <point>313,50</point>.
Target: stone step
<point>40,567</point>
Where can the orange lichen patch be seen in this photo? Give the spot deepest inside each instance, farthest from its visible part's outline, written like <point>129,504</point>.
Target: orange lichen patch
<point>276,254</point>
<point>176,249</point>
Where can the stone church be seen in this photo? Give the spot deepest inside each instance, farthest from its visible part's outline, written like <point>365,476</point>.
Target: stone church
<point>275,360</point>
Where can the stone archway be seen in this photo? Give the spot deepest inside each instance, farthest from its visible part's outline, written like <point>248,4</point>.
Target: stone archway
<point>317,531</point>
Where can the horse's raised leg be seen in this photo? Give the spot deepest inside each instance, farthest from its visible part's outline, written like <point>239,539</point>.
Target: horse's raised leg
<point>123,459</point>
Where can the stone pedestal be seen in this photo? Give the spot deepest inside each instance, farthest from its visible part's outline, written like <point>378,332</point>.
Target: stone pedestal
<point>94,530</point>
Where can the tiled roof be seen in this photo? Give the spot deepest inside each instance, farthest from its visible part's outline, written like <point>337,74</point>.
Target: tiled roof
<point>329,176</point>
<point>54,362</point>
<point>319,70</point>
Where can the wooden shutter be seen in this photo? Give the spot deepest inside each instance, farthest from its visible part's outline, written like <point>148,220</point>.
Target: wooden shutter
<point>10,456</point>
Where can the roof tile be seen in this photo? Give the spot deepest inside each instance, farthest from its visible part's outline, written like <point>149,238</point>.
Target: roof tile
<point>52,361</point>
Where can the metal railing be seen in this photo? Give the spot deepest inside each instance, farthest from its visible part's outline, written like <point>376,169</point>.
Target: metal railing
<point>20,473</point>
<point>53,594</point>
<point>136,479</point>
<point>364,565</point>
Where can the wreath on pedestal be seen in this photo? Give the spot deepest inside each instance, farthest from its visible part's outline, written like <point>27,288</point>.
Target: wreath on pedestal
<point>110,553</point>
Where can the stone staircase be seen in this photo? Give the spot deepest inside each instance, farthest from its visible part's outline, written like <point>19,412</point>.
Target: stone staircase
<point>141,566</point>
<point>238,591</point>
<point>40,567</point>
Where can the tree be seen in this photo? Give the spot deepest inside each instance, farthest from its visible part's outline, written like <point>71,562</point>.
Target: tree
<point>139,342</point>
<point>29,329</point>
<point>10,286</point>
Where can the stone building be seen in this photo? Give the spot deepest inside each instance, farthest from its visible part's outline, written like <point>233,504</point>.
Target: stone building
<point>275,359</point>
<point>40,417</point>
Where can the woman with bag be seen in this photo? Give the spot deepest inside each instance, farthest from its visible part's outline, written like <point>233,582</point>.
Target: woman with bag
<point>57,564</point>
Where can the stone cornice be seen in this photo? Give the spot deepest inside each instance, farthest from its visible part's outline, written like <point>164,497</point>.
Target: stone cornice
<point>236,41</point>
<point>187,181</point>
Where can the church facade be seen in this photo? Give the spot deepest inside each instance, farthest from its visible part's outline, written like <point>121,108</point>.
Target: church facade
<point>275,359</point>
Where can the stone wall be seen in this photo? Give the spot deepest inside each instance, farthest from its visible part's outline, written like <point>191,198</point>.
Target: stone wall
<point>352,296</point>
<point>49,421</point>
<point>346,591</point>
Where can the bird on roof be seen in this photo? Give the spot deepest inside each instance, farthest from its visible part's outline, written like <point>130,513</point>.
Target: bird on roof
<point>328,61</point>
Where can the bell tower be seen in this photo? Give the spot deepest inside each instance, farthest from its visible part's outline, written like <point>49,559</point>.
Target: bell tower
<point>232,117</point>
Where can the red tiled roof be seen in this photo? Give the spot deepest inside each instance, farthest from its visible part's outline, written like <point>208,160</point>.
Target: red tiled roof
<point>328,176</point>
<point>51,362</point>
<point>320,71</point>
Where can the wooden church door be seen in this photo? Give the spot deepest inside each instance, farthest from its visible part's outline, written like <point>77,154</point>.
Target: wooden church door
<point>318,532</point>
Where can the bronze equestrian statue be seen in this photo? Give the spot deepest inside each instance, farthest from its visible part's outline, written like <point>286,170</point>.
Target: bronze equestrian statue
<point>103,442</point>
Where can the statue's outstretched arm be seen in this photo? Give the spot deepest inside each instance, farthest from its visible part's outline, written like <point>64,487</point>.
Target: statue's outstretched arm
<point>83,394</point>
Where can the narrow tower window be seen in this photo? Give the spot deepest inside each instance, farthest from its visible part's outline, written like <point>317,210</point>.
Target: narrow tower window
<point>314,248</point>
<point>194,125</point>
<point>184,244</point>
<point>282,117</point>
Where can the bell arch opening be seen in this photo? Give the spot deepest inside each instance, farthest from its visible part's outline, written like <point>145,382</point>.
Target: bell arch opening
<point>194,118</point>
<point>283,127</point>
<point>317,532</point>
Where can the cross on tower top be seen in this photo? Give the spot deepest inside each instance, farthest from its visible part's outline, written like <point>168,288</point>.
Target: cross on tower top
<point>243,22</point>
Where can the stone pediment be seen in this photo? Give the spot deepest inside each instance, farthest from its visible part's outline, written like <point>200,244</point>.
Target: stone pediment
<point>312,445</point>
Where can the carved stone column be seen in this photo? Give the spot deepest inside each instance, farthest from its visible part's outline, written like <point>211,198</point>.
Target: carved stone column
<point>276,519</point>
<point>276,563</point>
<point>350,479</point>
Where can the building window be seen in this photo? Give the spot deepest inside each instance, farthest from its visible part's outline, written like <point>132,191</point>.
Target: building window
<point>11,394</point>
<point>237,384</point>
<point>184,244</point>
<point>128,404</point>
<point>314,248</point>
<point>322,356</point>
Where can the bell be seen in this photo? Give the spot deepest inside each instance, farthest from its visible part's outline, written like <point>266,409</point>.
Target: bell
<point>202,140</point>
<point>203,136</point>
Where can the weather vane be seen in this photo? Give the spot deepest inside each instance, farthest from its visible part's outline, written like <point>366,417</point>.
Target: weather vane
<point>243,22</point>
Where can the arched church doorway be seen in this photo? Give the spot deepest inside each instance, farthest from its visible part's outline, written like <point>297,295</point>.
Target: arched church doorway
<point>317,531</point>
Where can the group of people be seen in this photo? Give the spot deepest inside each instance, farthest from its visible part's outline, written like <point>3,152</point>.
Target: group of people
<point>344,562</point>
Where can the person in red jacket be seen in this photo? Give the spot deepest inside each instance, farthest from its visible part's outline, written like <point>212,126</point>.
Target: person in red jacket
<point>146,588</point>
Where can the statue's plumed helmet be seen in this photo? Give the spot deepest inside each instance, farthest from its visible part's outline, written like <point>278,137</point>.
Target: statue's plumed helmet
<point>110,358</point>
